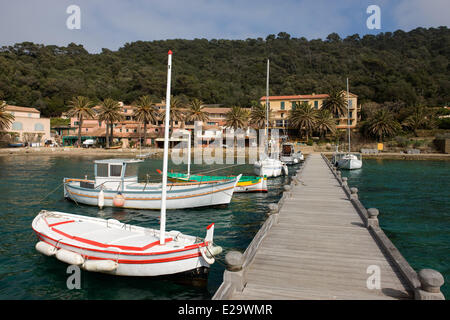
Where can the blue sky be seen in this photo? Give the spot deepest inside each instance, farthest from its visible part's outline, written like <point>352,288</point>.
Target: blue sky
<point>112,23</point>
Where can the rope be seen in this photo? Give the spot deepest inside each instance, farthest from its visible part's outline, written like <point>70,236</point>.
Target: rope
<point>52,192</point>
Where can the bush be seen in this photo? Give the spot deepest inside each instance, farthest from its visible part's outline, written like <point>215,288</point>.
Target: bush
<point>310,142</point>
<point>402,142</point>
<point>444,123</point>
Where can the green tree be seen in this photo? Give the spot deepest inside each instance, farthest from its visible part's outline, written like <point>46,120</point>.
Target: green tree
<point>146,112</point>
<point>196,111</point>
<point>381,125</point>
<point>420,118</point>
<point>80,107</point>
<point>110,112</point>
<point>335,103</point>
<point>303,117</point>
<point>236,118</point>
<point>325,122</point>
<point>6,118</point>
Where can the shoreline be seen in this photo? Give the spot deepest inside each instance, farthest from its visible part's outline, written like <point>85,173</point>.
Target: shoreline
<point>44,151</point>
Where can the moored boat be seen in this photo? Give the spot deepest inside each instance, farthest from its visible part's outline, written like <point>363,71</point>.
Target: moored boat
<point>288,154</point>
<point>109,246</point>
<point>245,183</point>
<point>116,185</point>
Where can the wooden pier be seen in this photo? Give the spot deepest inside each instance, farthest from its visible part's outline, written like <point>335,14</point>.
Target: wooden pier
<point>319,242</point>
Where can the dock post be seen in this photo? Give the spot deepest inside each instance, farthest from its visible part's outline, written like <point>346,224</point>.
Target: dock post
<point>354,193</point>
<point>274,209</point>
<point>372,220</point>
<point>287,191</point>
<point>344,181</point>
<point>431,282</point>
<point>234,274</point>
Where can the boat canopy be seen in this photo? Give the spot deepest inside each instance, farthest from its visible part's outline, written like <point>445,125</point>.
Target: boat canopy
<point>116,168</point>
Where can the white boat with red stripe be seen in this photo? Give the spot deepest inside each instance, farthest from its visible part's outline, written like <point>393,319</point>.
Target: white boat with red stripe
<point>110,246</point>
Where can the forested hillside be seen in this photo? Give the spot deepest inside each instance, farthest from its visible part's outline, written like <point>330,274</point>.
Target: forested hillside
<point>412,67</point>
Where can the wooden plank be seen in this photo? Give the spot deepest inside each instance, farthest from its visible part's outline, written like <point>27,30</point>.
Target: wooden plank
<point>320,248</point>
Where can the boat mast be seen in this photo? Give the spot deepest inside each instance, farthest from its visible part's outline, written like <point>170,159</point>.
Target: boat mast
<point>162,237</point>
<point>267,109</point>
<point>348,119</point>
<point>189,155</point>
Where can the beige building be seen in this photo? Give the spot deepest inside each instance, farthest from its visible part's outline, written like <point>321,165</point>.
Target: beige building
<point>28,126</point>
<point>281,105</point>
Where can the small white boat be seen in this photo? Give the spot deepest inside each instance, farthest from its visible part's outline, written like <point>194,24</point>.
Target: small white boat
<point>350,161</point>
<point>116,185</point>
<point>288,155</point>
<point>109,246</point>
<point>270,168</point>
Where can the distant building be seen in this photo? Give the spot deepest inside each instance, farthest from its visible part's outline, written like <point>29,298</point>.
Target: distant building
<point>28,126</point>
<point>129,130</point>
<point>281,105</point>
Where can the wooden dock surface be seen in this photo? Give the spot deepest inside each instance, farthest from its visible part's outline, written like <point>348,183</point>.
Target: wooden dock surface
<point>320,248</point>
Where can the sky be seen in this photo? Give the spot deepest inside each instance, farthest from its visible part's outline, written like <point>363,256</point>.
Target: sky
<point>112,23</point>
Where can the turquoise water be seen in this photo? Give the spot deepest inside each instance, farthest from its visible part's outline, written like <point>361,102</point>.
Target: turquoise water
<point>413,198</point>
<point>26,274</point>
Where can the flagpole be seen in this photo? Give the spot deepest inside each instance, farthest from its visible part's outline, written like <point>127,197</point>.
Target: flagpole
<point>162,237</point>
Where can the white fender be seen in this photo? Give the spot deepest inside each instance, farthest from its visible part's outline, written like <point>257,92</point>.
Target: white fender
<point>101,199</point>
<point>208,260</point>
<point>45,248</point>
<point>100,265</point>
<point>69,257</point>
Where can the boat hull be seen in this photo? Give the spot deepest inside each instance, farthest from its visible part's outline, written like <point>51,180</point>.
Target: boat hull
<point>269,168</point>
<point>245,184</point>
<point>156,261</point>
<point>349,164</point>
<point>178,197</point>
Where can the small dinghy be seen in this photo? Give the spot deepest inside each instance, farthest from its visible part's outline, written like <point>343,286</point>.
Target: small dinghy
<point>109,246</point>
<point>288,155</point>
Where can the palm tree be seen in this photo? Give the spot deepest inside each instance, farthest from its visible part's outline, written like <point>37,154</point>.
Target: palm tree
<point>335,103</point>
<point>258,116</point>
<point>418,119</point>
<point>81,107</point>
<point>196,111</point>
<point>325,122</point>
<point>236,118</point>
<point>145,111</point>
<point>6,118</point>
<point>303,117</point>
<point>110,112</point>
<point>176,111</point>
<point>381,125</point>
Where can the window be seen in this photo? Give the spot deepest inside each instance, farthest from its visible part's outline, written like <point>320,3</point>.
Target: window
<point>17,126</point>
<point>350,103</point>
<point>350,114</point>
<point>131,170</point>
<point>125,110</point>
<point>102,170</point>
<point>87,129</point>
<point>316,104</point>
<point>116,170</point>
<point>282,105</point>
<point>30,115</point>
<point>279,123</point>
<point>282,115</point>
<point>211,123</point>
<point>293,105</point>
<point>76,123</point>
<point>128,118</point>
